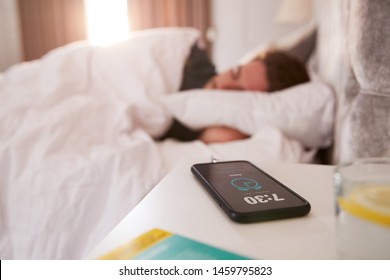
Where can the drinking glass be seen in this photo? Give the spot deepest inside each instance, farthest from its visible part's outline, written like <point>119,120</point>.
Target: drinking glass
<point>363,209</point>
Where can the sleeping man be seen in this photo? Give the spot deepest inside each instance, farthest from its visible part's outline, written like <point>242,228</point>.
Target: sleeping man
<point>268,73</point>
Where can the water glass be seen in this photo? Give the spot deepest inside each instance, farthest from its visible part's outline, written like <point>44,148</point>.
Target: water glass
<point>363,209</point>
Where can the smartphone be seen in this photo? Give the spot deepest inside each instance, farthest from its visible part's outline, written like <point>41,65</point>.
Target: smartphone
<point>248,194</point>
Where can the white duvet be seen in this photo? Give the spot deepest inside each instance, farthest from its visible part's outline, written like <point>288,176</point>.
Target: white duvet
<point>76,141</point>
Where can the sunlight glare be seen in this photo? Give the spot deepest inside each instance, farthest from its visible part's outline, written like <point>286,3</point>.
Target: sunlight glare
<point>107,21</point>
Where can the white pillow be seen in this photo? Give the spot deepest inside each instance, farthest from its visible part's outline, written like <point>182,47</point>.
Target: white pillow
<point>301,38</point>
<point>303,112</point>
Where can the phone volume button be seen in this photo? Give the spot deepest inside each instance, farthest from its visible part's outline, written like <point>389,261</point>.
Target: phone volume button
<point>217,200</point>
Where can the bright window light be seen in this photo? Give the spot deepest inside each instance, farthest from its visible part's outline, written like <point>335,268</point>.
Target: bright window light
<point>107,21</point>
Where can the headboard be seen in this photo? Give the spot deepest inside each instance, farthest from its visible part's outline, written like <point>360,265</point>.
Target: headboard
<point>353,57</point>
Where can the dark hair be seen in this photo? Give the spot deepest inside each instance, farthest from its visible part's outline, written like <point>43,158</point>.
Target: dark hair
<point>283,71</point>
<point>198,69</point>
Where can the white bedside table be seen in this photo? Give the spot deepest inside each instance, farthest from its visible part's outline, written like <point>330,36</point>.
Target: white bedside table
<point>179,204</point>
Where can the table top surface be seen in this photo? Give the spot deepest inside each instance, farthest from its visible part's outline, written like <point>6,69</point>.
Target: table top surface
<point>179,204</point>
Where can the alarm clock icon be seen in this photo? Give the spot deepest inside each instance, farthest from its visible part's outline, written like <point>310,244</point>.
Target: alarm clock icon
<point>245,184</point>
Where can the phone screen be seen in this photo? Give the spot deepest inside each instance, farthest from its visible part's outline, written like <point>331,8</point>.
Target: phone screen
<point>245,188</point>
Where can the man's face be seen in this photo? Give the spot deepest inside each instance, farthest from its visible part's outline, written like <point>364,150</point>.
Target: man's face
<point>250,76</point>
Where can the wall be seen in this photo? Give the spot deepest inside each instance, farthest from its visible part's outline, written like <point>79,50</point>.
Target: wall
<point>10,46</point>
<point>240,25</point>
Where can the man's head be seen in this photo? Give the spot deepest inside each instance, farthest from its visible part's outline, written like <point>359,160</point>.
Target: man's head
<point>283,71</point>
<point>271,72</point>
<point>251,76</point>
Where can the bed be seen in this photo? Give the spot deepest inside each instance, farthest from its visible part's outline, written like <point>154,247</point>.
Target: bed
<point>78,132</point>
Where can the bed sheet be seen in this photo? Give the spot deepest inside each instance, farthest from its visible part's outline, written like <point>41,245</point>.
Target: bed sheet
<point>77,148</point>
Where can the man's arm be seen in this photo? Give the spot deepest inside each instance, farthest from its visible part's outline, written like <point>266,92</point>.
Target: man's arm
<point>220,134</point>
